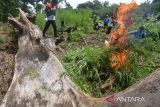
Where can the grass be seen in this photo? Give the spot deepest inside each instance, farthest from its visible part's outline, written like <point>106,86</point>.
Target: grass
<point>75,36</point>
<point>82,66</point>
<point>89,67</point>
<point>72,18</point>
<point>1,40</point>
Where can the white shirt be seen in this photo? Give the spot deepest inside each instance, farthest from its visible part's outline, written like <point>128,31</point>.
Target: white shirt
<point>52,17</point>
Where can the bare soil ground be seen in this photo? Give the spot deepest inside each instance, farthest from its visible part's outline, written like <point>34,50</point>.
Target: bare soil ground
<point>7,54</point>
<point>92,39</point>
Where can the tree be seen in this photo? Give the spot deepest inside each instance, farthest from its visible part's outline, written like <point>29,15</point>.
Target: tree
<point>8,7</point>
<point>156,5</point>
<point>92,5</point>
<point>100,8</point>
<point>87,4</point>
<point>155,1</point>
<point>36,5</point>
<point>24,4</point>
<point>97,4</point>
<point>68,5</point>
<point>106,4</point>
<point>113,9</point>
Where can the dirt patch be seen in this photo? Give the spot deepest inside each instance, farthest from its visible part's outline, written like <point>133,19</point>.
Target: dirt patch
<point>7,61</point>
<point>6,72</point>
<point>92,39</point>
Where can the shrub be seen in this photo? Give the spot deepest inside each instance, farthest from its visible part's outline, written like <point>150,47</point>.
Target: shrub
<point>75,36</point>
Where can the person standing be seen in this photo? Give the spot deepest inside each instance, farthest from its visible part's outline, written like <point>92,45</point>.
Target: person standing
<point>110,26</point>
<point>106,21</point>
<point>50,13</point>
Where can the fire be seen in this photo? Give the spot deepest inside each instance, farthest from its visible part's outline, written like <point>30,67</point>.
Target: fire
<point>119,60</point>
<point>119,37</point>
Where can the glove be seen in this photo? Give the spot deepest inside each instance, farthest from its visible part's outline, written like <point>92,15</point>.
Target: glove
<point>45,19</point>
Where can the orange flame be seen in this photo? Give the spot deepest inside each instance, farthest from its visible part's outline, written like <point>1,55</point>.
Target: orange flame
<point>119,60</point>
<point>119,37</point>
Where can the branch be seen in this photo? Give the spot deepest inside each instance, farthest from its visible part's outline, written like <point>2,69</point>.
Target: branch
<point>23,18</point>
<point>15,23</point>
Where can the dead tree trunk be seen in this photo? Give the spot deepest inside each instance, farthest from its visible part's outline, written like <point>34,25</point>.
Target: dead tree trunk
<point>39,79</point>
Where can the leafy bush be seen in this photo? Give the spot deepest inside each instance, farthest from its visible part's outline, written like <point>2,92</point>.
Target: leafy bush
<point>75,36</point>
<point>152,29</point>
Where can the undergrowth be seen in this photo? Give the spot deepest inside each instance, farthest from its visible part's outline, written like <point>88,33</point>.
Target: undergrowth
<point>89,67</point>
<point>75,36</point>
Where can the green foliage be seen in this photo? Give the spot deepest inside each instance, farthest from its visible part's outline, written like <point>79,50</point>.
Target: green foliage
<point>142,60</point>
<point>75,18</point>
<point>86,67</point>
<point>99,8</point>
<point>142,57</point>
<point>38,7</point>
<point>1,40</point>
<point>156,5</point>
<point>151,44</point>
<point>111,11</point>
<point>40,20</point>
<point>90,67</point>
<point>92,5</point>
<point>122,80</point>
<point>72,18</point>
<point>8,7</point>
<point>75,36</point>
<point>152,29</point>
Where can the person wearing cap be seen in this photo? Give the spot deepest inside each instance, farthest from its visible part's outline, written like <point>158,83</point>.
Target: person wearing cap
<point>50,13</point>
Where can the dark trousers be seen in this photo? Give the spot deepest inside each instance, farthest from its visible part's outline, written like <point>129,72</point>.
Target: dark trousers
<point>53,22</point>
<point>109,29</point>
